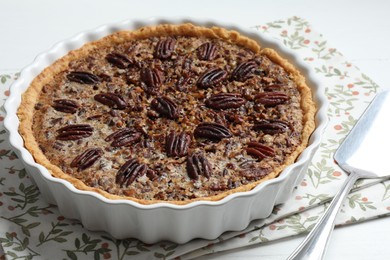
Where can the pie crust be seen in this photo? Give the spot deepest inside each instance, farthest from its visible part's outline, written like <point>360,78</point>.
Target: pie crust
<point>30,105</point>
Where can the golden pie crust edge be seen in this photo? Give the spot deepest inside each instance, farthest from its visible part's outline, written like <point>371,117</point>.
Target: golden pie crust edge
<point>29,98</point>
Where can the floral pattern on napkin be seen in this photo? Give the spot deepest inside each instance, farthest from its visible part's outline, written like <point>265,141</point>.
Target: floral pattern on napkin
<point>31,228</point>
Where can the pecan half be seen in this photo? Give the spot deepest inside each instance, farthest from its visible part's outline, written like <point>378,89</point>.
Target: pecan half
<point>211,77</point>
<point>212,131</point>
<point>244,70</point>
<point>197,164</point>
<point>253,174</point>
<point>65,105</point>
<point>86,159</point>
<point>273,87</point>
<point>118,60</point>
<point>176,145</point>
<point>164,48</point>
<point>74,132</point>
<point>123,137</point>
<point>129,172</point>
<point>207,51</point>
<point>259,150</point>
<point>271,98</point>
<point>165,107</point>
<point>111,100</point>
<point>225,101</point>
<point>83,77</point>
<point>153,79</point>
<point>271,126</point>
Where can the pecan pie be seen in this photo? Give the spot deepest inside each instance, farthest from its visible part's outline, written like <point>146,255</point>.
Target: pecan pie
<point>172,113</point>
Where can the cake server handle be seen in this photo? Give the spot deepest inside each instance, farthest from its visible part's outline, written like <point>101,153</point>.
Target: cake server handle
<point>315,244</point>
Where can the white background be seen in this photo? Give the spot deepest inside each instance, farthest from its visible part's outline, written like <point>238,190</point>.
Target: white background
<point>358,29</point>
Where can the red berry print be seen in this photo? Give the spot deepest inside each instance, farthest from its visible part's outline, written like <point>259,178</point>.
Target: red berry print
<point>337,173</point>
<point>338,127</point>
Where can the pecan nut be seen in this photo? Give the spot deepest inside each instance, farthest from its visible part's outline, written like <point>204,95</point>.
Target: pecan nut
<point>244,70</point>
<point>207,51</point>
<point>271,126</point>
<point>112,100</point>
<point>253,174</point>
<point>74,132</point>
<point>273,87</point>
<point>65,105</point>
<point>197,164</point>
<point>271,98</point>
<point>211,77</point>
<point>129,172</point>
<point>153,79</point>
<point>86,159</point>
<point>165,107</point>
<point>212,131</point>
<point>123,137</point>
<point>176,145</point>
<point>118,60</point>
<point>225,101</point>
<point>83,77</point>
<point>259,150</point>
<point>164,48</point>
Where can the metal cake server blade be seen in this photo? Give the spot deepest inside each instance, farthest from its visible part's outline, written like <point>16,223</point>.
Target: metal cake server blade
<point>363,154</point>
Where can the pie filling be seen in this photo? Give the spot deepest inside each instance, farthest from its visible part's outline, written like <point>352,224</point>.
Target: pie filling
<point>170,118</point>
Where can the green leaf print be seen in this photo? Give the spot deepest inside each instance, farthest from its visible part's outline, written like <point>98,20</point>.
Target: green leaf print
<point>330,71</point>
<point>328,148</point>
<point>298,23</point>
<point>275,24</point>
<point>18,245</point>
<point>87,246</point>
<point>323,52</point>
<point>55,234</point>
<point>362,202</point>
<point>261,237</point>
<point>4,78</point>
<point>320,173</point>
<point>367,84</point>
<point>294,40</point>
<point>386,194</point>
<point>298,224</point>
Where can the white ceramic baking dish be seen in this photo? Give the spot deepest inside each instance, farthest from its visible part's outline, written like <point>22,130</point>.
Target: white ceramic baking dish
<point>163,221</point>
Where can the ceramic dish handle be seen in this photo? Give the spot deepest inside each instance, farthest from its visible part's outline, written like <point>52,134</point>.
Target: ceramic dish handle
<point>315,244</point>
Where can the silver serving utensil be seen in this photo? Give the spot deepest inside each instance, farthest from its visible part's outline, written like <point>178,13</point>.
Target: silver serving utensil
<point>363,154</point>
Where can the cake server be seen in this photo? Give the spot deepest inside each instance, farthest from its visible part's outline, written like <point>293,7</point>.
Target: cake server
<point>363,154</point>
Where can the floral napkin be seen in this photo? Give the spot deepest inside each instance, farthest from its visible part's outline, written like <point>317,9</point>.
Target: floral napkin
<point>31,228</point>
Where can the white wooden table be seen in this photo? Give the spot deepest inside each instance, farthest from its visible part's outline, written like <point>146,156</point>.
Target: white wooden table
<point>358,29</point>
